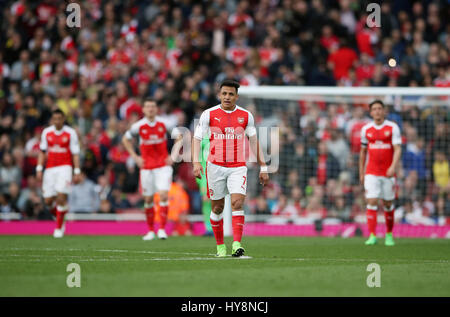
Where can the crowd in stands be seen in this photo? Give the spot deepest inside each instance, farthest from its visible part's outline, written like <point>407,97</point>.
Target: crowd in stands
<point>177,52</point>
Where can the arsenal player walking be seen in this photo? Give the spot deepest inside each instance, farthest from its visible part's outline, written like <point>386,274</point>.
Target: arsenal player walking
<point>227,126</point>
<point>59,144</point>
<point>381,146</point>
<point>154,162</point>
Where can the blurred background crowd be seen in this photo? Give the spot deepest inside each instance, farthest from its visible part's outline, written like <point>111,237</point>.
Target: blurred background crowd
<point>177,52</point>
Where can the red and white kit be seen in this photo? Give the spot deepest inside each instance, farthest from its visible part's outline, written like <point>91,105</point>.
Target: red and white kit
<point>60,146</point>
<point>226,170</point>
<point>379,141</point>
<point>155,174</point>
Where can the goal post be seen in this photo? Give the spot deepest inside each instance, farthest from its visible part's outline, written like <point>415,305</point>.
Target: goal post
<point>313,121</point>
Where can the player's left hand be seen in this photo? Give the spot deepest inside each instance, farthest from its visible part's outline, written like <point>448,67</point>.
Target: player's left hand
<point>263,178</point>
<point>390,172</point>
<point>76,178</point>
<point>169,160</point>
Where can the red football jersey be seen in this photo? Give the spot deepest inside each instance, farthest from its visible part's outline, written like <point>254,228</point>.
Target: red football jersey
<point>380,141</point>
<point>227,130</point>
<point>59,145</point>
<point>152,141</point>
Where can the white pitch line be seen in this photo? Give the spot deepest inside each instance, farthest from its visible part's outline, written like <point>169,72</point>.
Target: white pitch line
<point>153,252</point>
<point>206,256</point>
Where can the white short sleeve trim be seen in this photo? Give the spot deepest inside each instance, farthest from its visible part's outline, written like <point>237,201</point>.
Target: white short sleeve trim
<point>250,130</point>
<point>396,135</point>
<point>133,131</point>
<point>364,140</point>
<point>43,145</point>
<point>74,142</point>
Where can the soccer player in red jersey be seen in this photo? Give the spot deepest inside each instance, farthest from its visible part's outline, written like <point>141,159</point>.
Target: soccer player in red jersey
<point>381,146</point>
<point>154,163</point>
<point>60,145</point>
<point>227,126</point>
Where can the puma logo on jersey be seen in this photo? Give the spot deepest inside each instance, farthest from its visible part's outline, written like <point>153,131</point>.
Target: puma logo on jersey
<point>217,119</point>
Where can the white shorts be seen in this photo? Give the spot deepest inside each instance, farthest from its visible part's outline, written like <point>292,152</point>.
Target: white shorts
<point>56,180</point>
<point>379,187</point>
<point>225,180</point>
<point>156,180</point>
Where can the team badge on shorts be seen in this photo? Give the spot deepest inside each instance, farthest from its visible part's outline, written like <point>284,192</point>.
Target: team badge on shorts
<point>211,192</point>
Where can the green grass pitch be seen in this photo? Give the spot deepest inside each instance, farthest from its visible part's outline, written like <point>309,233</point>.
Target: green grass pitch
<point>186,266</point>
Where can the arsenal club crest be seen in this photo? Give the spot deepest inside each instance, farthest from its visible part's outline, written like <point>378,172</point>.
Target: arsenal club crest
<point>64,139</point>
<point>240,120</point>
<point>160,129</point>
<point>386,133</point>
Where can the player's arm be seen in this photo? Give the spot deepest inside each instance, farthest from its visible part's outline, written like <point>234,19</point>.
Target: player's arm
<point>362,156</point>
<point>75,150</point>
<point>397,144</point>
<point>40,165</point>
<point>395,160</point>
<point>126,141</point>
<point>250,130</point>
<point>76,168</point>
<point>198,169</point>
<point>256,148</point>
<point>200,132</point>
<point>43,146</point>
<point>362,163</point>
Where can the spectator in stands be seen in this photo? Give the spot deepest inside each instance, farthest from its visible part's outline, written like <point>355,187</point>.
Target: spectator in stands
<point>5,204</point>
<point>338,147</point>
<point>441,172</point>
<point>327,165</point>
<point>414,160</point>
<point>261,207</point>
<point>304,163</point>
<point>35,208</point>
<point>25,193</point>
<point>283,209</point>
<point>104,189</point>
<point>9,172</point>
<point>118,200</point>
<point>14,192</point>
<point>84,196</point>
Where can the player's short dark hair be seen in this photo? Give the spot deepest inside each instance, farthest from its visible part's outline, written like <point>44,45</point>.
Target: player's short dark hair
<point>230,83</point>
<point>375,102</point>
<point>58,111</point>
<point>150,99</point>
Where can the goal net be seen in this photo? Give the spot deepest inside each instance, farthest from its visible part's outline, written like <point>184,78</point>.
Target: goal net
<point>312,137</point>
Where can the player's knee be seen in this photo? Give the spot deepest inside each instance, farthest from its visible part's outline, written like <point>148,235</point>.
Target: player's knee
<point>237,204</point>
<point>148,199</point>
<point>164,196</point>
<point>61,199</point>
<point>387,205</point>
<point>217,209</point>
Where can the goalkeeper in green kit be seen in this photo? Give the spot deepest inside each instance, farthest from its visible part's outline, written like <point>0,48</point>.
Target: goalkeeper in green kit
<point>206,202</point>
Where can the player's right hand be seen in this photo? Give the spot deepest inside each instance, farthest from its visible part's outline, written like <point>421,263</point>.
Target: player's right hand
<point>39,176</point>
<point>198,170</point>
<point>139,161</point>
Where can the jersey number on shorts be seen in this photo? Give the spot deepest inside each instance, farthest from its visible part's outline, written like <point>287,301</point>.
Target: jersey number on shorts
<point>245,179</point>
